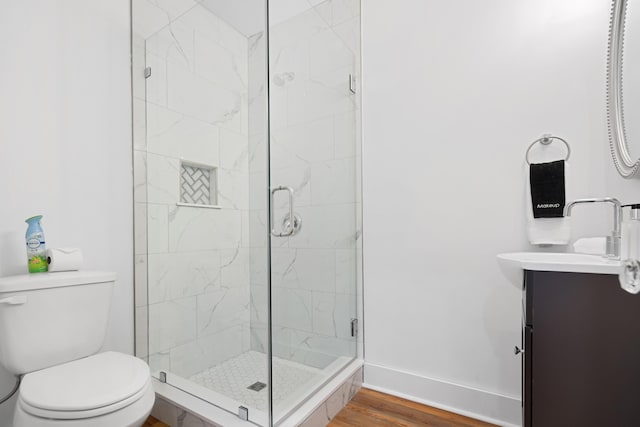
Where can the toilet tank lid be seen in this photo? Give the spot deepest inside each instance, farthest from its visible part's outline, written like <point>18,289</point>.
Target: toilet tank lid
<point>28,282</point>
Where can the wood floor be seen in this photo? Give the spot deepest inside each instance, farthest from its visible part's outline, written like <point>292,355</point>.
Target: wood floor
<point>370,409</point>
<point>152,422</point>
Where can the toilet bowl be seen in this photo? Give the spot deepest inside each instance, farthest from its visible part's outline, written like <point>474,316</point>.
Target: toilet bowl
<point>52,326</point>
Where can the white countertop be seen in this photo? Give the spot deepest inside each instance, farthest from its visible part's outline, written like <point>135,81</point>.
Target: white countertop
<point>567,262</point>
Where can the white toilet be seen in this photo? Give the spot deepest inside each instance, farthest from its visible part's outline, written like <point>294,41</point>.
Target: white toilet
<point>51,327</point>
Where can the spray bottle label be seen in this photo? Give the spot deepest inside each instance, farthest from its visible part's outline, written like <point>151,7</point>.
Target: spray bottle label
<point>36,253</point>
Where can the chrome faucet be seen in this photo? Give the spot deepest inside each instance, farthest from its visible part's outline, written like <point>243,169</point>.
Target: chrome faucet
<point>613,241</point>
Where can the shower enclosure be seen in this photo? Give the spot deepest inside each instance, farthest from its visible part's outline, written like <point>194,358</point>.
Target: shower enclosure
<point>247,197</point>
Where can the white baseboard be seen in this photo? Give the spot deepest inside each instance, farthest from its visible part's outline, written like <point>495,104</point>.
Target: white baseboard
<point>493,408</point>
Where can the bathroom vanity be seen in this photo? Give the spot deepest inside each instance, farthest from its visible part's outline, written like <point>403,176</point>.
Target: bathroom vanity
<point>581,342</point>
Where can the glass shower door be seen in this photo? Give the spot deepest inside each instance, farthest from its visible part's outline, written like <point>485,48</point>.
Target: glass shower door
<point>199,71</point>
<point>314,60</point>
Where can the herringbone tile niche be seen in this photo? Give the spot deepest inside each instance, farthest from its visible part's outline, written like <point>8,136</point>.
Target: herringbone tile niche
<point>197,184</point>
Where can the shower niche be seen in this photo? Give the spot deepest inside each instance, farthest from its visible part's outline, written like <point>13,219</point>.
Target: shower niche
<point>198,185</point>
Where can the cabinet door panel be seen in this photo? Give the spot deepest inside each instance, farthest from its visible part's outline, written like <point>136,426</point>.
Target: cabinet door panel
<point>585,351</point>
<point>528,373</point>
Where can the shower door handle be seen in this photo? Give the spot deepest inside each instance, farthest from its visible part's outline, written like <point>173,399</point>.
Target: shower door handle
<point>290,228</point>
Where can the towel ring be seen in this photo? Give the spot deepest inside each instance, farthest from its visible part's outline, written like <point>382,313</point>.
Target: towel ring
<point>546,140</point>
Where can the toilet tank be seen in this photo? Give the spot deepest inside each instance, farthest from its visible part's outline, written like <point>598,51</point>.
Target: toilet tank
<point>50,318</point>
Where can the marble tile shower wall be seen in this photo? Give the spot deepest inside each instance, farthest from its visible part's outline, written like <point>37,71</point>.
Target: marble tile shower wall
<point>314,149</point>
<point>193,259</point>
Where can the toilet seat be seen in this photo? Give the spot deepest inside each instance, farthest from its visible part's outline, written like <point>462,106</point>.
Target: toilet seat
<point>133,415</point>
<point>85,388</point>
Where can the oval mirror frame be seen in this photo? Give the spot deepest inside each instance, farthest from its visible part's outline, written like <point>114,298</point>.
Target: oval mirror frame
<point>625,164</point>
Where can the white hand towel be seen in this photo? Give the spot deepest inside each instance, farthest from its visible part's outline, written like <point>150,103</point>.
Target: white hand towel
<point>548,231</point>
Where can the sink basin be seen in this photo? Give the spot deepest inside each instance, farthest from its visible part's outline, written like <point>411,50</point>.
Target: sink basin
<point>548,261</point>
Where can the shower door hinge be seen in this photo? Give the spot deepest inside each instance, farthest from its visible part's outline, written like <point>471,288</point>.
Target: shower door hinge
<point>147,72</point>
<point>162,377</point>
<point>354,327</point>
<point>352,83</point>
<point>243,413</point>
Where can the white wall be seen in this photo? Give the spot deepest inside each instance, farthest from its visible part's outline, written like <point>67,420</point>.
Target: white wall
<point>453,94</point>
<point>65,139</point>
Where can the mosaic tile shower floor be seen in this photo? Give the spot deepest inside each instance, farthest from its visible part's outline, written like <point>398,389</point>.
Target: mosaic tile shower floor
<point>233,377</point>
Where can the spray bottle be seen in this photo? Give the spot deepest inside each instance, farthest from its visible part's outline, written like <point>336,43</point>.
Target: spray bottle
<point>36,250</point>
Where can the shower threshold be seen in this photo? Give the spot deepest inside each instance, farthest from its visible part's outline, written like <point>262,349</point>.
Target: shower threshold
<point>228,384</point>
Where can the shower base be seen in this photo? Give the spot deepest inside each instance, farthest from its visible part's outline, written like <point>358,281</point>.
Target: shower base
<point>241,382</point>
<point>233,378</point>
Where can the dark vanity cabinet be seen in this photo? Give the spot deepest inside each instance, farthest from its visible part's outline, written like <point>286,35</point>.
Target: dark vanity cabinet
<point>581,362</point>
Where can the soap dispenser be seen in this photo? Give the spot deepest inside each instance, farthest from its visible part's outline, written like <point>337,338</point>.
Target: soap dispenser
<point>631,233</point>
